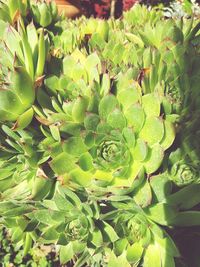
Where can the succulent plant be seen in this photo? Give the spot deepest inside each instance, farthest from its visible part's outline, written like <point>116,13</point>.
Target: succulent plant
<point>97,147</point>
<point>11,10</point>
<point>182,170</point>
<point>141,240</point>
<point>106,136</point>
<point>17,97</point>
<point>25,47</point>
<point>139,14</point>
<point>19,161</point>
<point>23,67</point>
<point>44,14</point>
<point>100,27</point>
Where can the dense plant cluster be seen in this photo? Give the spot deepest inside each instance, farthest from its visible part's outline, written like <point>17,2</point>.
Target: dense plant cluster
<point>99,127</point>
<point>11,255</point>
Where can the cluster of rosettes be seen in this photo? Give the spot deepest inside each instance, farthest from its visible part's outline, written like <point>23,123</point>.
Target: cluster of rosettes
<point>109,135</point>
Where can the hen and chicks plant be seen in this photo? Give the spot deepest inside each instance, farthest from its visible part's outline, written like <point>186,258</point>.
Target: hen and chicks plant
<point>93,153</point>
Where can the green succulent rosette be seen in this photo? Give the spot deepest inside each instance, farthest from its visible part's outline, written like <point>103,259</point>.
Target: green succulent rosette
<point>104,134</point>
<point>183,169</point>
<point>23,56</point>
<point>11,9</point>
<point>16,98</point>
<point>66,221</point>
<point>141,240</point>
<point>72,221</point>
<point>76,229</point>
<point>22,175</point>
<point>183,173</point>
<point>44,13</point>
<point>135,229</point>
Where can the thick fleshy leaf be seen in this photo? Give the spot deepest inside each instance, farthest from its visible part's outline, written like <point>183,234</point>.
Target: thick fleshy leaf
<point>10,133</point>
<point>161,186</point>
<point>91,121</point>
<point>41,187</point>
<point>154,158</point>
<point>62,203</point>
<point>62,164</point>
<point>169,135</point>
<point>140,150</point>
<point>135,117</point>
<point>134,253</point>
<point>72,128</point>
<point>168,246</point>
<point>185,218</point>
<point>118,261</point>
<point>185,198</point>
<point>161,213</point>
<point>143,196</point>
<point>52,83</point>
<point>23,86</point>
<point>103,175</point>
<point>81,177</point>
<point>89,139</point>
<point>55,132</point>
<point>7,205</point>
<point>10,106</point>
<point>135,169</point>
<point>134,39</point>
<point>92,61</point>
<point>153,130</point>
<point>105,84</point>
<point>109,232</point>
<point>68,65</point>
<point>151,105</point>
<point>152,257</point>
<point>129,136</point>
<point>72,196</point>
<point>116,119</point>
<point>51,235</point>
<point>43,216</point>
<point>79,72</point>
<point>74,146</point>
<point>107,105</point>
<point>120,245</point>
<point>18,211</point>
<point>17,235</point>
<point>128,97</point>
<point>79,109</point>
<point>66,253</point>
<point>86,162</point>
<point>96,238</point>
<point>103,128</point>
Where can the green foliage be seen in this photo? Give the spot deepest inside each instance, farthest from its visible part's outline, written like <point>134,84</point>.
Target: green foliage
<point>11,254</point>
<point>99,150</point>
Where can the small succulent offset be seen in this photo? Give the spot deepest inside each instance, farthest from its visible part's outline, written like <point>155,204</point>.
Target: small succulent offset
<point>182,170</point>
<point>183,164</point>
